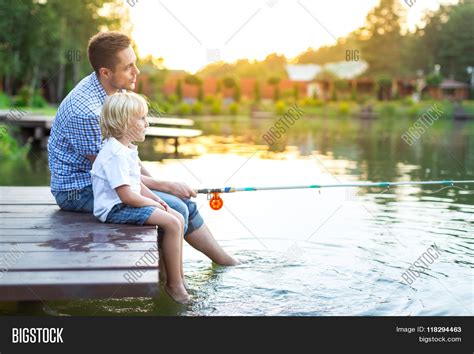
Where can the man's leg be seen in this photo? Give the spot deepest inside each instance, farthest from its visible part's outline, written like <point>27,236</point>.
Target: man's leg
<point>79,200</point>
<point>196,233</point>
<point>203,240</point>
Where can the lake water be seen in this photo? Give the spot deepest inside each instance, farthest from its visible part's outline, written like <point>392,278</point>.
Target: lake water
<point>308,252</point>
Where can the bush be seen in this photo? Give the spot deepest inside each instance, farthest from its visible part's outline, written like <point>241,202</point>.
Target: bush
<point>280,107</point>
<point>38,101</point>
<point>408,101</point>
<point>434,79</point>
<point>413,110</point>
<point>344,108</point>
<point>317,103</point>
<point>173,99</point>
<point>24,97</point>
<point>197,108</point>
<point>209,99</point>
<point>388,109</point>
<point>216,108</point>
<point>184,109</point>
<point>9,148</point>
<point>5,101</point>
<point>234,108</point>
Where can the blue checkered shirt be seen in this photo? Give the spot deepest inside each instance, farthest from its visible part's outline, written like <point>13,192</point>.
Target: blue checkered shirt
<point>76,133</point>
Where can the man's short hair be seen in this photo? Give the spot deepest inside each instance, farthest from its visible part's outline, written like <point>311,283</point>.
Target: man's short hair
<point>103,48</point>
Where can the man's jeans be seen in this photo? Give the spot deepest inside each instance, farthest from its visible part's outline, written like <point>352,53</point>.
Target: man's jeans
<point>82,200</point>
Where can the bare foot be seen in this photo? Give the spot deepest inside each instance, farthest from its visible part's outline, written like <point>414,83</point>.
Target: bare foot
<point>178,293</point>
<point>228,262</point>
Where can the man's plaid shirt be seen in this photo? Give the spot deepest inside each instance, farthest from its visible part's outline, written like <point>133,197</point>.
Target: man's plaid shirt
<point>76,133</point>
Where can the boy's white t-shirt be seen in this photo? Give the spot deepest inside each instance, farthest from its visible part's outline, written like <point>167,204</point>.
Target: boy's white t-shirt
<point>116,165</point>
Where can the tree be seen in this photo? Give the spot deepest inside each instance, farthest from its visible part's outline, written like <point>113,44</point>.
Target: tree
<point>179,90</point>
<point>381,35</point>
<point>274,81</point>
<point>257,95</point>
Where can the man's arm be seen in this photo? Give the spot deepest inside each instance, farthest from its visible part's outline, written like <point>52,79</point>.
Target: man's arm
<point>180,190</point>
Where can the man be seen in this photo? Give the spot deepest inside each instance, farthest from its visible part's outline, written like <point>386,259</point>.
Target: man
<point>75,141</point>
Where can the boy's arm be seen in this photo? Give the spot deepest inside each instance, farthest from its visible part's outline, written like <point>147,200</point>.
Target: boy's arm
<point>130,198</point>
<point>146,192</point>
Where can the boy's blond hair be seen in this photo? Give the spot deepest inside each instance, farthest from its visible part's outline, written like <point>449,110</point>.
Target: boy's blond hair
<point>117,111</point>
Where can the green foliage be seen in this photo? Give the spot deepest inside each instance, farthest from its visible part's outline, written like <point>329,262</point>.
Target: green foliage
<point>184,108</point>
<point>344,108</point>
<point>179,91</point>
<point>341,84</point>
<point>234,108</point>
<point>333,93</point>
<point>388,109</point>
<point>192,80</point>
<point>408,101</point>
<point>216,107</point>
<point>237,93</point>
<point>274,81</point>
<point>197,108</point>
<point>36,37</point>
<point>38,101</point>
<point>209,99</point>
<point>229,82</point>
<point>5,101</point>
<point>257,94</point>
<point>276,93</point>
<point>200,95</point>
<point>296,92</point>
<point>354,93</point>
<point>280,108</point>
<point>24,97</point>
<point>173,99</point>
<point>9,148</point>
<point>434,79</point>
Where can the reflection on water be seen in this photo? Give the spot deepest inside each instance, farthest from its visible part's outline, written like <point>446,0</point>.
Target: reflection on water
<point>329,252</point>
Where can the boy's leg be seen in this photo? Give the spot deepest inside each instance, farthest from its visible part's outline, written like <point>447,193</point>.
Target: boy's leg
<point>181,220</point>
<point>196,233</point>
<point>171,252</point>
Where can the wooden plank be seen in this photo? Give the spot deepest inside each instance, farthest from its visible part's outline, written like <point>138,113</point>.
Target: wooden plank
<point>75,245</point>
<point>72,260</point>
<point>108,231</point>
<point>7,210</point>
<point>72,222</point>
<point>172,132</point>
<point>54,285</point>
<point>26,195</point>
<point>183,122</point>
<point>24,237</point>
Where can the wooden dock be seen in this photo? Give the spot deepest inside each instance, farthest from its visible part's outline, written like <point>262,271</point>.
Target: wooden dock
<point>39,126</point>
<point>49,254</point>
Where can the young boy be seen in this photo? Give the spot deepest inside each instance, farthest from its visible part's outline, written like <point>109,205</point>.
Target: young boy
<point>119,195</point>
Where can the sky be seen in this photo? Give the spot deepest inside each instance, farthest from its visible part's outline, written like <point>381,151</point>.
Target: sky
<point>190,34</point>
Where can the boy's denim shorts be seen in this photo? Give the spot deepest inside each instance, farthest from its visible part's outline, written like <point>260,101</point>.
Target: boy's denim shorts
<point>82,200</point>
<point>124,214</point>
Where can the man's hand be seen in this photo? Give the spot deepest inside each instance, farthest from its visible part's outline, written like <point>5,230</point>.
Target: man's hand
<point>181,190</point>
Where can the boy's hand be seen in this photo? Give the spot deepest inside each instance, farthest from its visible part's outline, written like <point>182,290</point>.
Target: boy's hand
<point>163,204</point>
<point>160,203</point>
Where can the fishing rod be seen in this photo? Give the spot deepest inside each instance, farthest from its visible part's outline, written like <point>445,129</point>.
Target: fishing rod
<point>216,202</point>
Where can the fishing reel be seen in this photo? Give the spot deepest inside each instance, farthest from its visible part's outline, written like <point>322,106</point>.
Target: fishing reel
<point>215,201</point>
